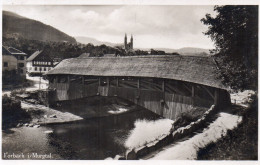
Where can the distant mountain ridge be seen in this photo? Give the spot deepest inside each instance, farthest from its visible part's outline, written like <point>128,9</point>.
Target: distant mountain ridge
<point>95,42</point>
<point>15,25</point>
<point>187,50</point>
<point>182,51</point>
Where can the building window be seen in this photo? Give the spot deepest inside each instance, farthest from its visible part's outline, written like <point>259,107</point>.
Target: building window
<point>5,64</point>
<point>21,65</point>
<point>44,69</point>
<point>40,68</point>
<point>49,63</point>
<point>36,68</point>
<point>21,57</point>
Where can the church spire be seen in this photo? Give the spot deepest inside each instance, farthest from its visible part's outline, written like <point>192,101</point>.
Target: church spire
<point>125,42</point>
<point>132,42</point>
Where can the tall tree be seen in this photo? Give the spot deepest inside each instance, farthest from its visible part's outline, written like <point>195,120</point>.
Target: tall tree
<point>234,30</point>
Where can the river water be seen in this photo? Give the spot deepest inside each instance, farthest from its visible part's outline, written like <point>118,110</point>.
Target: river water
<point>89,139</point>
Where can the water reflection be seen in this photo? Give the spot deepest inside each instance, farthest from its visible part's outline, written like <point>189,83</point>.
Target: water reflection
<point>90,139</point>
<point>97,138</point>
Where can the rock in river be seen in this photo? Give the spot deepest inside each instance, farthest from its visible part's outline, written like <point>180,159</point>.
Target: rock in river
<point>53,116</point>
<point>48,132</point>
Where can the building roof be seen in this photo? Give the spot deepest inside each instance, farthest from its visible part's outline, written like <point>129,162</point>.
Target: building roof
<point>83,55</point>
<point>198,70</point>
<point>42,55</point>
<point>34,55</point>
<point>11,51</point>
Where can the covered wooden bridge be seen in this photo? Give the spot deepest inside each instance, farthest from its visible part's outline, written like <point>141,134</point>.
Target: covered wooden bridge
<point>167,85</point>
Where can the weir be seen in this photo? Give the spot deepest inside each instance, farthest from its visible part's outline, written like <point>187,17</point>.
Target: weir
<point>158,86</point>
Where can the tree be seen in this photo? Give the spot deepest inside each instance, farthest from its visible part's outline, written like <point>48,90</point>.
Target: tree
<point>234,31</point>
<point>157,52</point>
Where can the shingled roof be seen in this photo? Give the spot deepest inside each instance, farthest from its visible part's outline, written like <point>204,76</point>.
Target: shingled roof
<point>198,70</point>
<point>11,51</point>
<point>34,55</point>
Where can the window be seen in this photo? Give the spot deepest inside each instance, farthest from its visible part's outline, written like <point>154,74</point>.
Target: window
<point>36,68</point>
<point>5,64</point>
<point>21,57</point>
<point>49,63</point>
<point>44,69</point>
<point>21,65</point>
<point>40,68</point>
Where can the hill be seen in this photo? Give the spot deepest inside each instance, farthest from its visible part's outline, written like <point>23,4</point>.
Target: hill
<point>95,42</point>
<point>15,25</point>
<point>191,50</point>
<point>182,51</point>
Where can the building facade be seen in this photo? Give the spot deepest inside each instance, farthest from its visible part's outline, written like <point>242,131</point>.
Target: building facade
<point>39,63</point>
<point>13,59</point>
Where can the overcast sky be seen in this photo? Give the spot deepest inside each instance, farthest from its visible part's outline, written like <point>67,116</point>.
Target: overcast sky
<point>151,26</point>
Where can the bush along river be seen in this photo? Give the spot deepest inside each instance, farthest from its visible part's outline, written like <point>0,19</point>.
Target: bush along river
<point>94,138</point>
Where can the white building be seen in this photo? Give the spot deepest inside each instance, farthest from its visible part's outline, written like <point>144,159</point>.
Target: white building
<point>39,63</point>
<point>13,59</point>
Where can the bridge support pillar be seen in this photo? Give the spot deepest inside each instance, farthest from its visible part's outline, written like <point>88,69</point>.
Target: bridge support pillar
<point>162,102</point>
<point>193,93</point>
<point>216,96</point>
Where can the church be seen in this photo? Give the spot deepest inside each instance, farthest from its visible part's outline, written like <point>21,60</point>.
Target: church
<point>128,46</point>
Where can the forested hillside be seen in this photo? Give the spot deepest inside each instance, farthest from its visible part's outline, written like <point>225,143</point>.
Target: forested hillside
<point>18,26</point>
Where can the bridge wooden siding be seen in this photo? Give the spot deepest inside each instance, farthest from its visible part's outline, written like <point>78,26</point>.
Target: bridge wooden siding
<point>167,85</point>
<point>162,96</point>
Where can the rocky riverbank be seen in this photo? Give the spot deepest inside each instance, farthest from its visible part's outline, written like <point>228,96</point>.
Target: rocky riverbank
<point>18,113</point>
<point>42,115</point>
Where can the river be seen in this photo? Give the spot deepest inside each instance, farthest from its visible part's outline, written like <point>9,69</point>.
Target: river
<point>89,139</point>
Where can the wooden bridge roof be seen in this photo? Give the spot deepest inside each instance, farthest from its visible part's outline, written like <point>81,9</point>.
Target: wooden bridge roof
<point>198,70</point>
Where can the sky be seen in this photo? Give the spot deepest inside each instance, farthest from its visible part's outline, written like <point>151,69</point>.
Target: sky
<point>151,26</point>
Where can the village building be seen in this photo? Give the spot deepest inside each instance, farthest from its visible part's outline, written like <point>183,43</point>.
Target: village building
<point>13,59</point>
<point>39,63</point>
<point>167,85</point>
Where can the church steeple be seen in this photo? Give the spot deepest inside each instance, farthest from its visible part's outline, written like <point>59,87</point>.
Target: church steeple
<point>128,46</point>
<point>125,43</point>
<point>131,41</point>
